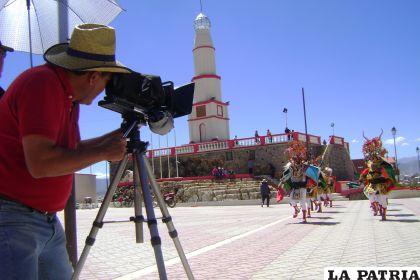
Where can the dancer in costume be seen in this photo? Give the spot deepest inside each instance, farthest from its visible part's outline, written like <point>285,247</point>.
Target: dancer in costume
<point>311,195</point>
<point>378,177</point>
<point>294,177</point>
<point>329,180</point>
<point>322,190</point>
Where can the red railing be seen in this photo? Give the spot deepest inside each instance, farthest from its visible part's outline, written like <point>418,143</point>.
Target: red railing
<point>336,140</point>
<point>232,144</point>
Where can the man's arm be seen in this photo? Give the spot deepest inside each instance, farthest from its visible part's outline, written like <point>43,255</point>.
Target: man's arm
<point>93,142</point>
<point>44,159</point>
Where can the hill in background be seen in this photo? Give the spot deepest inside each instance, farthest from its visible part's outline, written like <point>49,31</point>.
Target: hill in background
<point>101,186</point>
<point>408,166</point>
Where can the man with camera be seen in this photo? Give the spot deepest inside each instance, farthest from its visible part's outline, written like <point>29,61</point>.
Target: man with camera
<point>40,149</point>
<point>3,51</point>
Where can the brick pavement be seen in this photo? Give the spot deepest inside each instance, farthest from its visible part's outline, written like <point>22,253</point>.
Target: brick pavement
<point>250,242</point>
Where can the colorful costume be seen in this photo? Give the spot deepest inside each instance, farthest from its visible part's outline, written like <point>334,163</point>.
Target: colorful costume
<point>322,190</point>
<point>329,187</point>
<point>378,177</point>
<point>294,177</point>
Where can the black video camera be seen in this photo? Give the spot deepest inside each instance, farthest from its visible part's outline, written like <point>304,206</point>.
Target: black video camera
<point>147,97</point>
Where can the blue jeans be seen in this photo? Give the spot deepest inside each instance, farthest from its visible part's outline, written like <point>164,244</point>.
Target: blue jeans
<point>32,245</point>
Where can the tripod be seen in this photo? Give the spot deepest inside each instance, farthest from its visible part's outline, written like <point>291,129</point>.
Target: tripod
<point>142,176</point>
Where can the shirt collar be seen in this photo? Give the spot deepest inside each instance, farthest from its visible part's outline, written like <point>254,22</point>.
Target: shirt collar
<point>68,90</point>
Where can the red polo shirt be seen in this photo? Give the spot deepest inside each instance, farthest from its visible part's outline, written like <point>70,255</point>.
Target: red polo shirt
<point>39,101</point>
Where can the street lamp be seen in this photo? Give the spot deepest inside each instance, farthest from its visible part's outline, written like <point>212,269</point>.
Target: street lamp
<point>394,132</point>
<point>418,158</point>
<point>285,112</point>
<point>332,125</point>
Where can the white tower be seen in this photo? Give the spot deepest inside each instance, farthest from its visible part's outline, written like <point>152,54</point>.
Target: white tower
<point>209,118</point>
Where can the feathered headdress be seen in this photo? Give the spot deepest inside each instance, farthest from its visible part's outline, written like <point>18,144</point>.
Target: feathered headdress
<point>372,148</point>
<point>296,153</point>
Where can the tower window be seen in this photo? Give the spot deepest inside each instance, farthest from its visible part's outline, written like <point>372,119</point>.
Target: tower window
<point>219,110</point>
<point>201,111</point>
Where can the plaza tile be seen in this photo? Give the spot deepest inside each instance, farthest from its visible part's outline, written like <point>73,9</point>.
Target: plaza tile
<point>250,242</point>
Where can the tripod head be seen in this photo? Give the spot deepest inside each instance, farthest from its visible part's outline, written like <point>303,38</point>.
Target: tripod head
<point>131,126</point>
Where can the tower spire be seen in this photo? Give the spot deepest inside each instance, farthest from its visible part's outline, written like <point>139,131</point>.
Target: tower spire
<point>201,7</point>
<point>209,119</point>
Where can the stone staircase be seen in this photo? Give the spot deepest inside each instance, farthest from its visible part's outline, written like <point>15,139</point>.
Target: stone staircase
<point>216,190</point>
<point>228,191</point>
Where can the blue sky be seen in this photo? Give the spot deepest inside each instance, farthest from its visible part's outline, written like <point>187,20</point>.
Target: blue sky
<point>358,61</point>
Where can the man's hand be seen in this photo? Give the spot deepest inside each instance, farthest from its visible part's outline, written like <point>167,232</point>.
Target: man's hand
<point>113,146</point>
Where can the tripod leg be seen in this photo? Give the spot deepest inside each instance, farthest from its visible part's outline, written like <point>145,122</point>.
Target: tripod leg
<point>138,219</point>
<point>97,224</point>
<point>167,218</point>
<point>151,218</point>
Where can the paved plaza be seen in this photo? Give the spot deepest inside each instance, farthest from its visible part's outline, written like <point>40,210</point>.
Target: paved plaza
<point>250,242</point>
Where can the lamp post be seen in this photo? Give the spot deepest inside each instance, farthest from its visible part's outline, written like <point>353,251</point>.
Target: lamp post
<point>418,158</point>
<point>394,132</point>
<point>332,125</point>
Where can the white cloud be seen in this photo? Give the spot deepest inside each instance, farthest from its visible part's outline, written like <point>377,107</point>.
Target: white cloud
<point>399,140</point>
<point>355,141</point>
<point>418,139</point>
<point>405,144</point>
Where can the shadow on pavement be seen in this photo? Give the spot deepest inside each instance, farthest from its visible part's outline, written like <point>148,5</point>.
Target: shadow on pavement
<point>393,210</point>
<point>401,215</point>
<point>321,218</point>
<point>323,223</point>
<point>404,220</point>
<point>395,204</point>
<point>333,212</point>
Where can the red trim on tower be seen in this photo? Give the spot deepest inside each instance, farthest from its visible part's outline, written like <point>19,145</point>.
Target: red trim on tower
<point>199,47</point>
<point>209,117</point>
<point>211,101</point>
<point>205,76</point>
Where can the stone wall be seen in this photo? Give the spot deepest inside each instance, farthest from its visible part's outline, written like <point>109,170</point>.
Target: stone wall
<point>338,158</point>
<point>201,164</point>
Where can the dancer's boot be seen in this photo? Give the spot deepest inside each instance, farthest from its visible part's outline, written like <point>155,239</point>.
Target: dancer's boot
<point>319,207</point>
<point>383,214</point>
<point>304,217</point>
<point>296,211</point>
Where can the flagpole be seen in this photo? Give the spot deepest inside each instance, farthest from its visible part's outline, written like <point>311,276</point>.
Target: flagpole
<point>306,126</point>
<point>160,158</point>
<point>153,153</point>
<point>169,155</point>
<point>176,155</point>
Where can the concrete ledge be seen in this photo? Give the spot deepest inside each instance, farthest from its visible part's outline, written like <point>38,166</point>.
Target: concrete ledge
<point>230,202</point>
<point>406,193</point>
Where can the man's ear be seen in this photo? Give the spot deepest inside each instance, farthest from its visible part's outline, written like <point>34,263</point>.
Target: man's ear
<point>93,77</point>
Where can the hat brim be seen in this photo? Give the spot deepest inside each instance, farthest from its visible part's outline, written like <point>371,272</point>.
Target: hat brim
<point>58,56</point>
<point>6,48</point>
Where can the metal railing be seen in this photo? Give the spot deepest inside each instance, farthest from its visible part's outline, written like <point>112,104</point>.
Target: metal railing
<point>233,144</point>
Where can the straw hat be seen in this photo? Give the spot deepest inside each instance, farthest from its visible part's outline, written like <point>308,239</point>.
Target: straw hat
<point>91,48</point>
<point>6,48</point>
